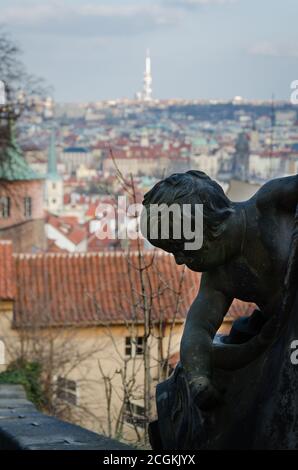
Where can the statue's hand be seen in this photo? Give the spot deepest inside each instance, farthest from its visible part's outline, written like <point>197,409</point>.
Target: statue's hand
<point>204,394</point>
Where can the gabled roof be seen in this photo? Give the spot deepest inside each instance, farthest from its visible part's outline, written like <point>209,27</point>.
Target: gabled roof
<point>68,227</point>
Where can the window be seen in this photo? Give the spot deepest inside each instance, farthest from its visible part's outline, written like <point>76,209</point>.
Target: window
<point>140,345</point>
<point>134,346</point>
<point>53,185</point>
<point>134,414</point>
<point>5,207</point>
<point>27,206</point>
<point>67,390</point>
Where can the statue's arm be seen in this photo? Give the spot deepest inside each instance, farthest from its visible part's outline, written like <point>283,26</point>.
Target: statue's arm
<point>203,320</point>
<point>236,356</point>
<point>279,192</point>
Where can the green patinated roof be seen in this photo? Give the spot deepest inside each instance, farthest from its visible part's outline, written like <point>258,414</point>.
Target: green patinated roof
<point>202,141</point>
<point>199,141</point>
<point>13,166</point>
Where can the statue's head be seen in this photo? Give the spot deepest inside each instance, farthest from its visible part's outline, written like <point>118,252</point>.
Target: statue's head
<point>202,201</point>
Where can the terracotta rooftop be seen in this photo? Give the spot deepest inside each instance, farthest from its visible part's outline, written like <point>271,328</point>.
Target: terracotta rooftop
<point>69,227</point>
<point>95,288</point>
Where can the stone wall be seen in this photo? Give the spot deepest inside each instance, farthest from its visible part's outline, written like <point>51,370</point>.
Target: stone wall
<point>22,427</point>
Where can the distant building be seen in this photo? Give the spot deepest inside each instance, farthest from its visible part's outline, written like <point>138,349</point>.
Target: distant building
<point>73,157</point>
<point>292,162</point>
<point>241,157</point>
<point>226,157</point>
<point>21,198</point>
<point>265,166</point>
<point>85,173</point>
<point>209,163</point>
<point>202,144</point>
<point>54,182</point>
<point>285,118</point>
<point>254,139</point>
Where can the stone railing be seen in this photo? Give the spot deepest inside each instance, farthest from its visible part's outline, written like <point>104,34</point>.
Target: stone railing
<point>23,427</point>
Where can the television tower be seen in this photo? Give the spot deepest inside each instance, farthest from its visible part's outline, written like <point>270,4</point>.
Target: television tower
<point>147,90</point>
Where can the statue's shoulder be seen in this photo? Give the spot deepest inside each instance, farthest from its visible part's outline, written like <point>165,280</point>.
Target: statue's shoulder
<point>263,197</point>
<point>278,193</point>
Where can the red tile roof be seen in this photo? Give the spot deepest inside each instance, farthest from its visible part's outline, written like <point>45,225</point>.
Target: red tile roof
<point>77,235</point>
<point>69,227</point>
<point>94,288</point>
<point>7,271</point>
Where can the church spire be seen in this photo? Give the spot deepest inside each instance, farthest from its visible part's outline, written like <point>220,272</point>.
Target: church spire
<point>52,157</point>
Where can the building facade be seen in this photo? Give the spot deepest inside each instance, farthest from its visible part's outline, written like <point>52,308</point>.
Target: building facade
<point>21,199</point>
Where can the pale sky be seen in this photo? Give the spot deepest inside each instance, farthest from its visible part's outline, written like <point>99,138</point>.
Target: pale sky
<point>93,49</point>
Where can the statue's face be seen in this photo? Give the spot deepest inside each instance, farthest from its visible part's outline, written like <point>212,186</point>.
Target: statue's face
<point>211,255</point>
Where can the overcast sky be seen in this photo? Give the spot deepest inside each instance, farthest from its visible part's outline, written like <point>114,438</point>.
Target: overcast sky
<point>95,49</point>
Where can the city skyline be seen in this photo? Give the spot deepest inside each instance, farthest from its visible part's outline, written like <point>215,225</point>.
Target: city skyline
<point>200,49</point>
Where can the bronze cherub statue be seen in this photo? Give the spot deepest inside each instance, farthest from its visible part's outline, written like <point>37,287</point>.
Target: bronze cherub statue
<point>244,255</point>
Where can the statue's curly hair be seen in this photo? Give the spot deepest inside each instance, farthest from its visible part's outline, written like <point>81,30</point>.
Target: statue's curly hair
<point>194,187</point>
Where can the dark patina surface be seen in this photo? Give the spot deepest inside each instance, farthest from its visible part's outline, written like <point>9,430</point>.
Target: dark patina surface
<point>243,393</point>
